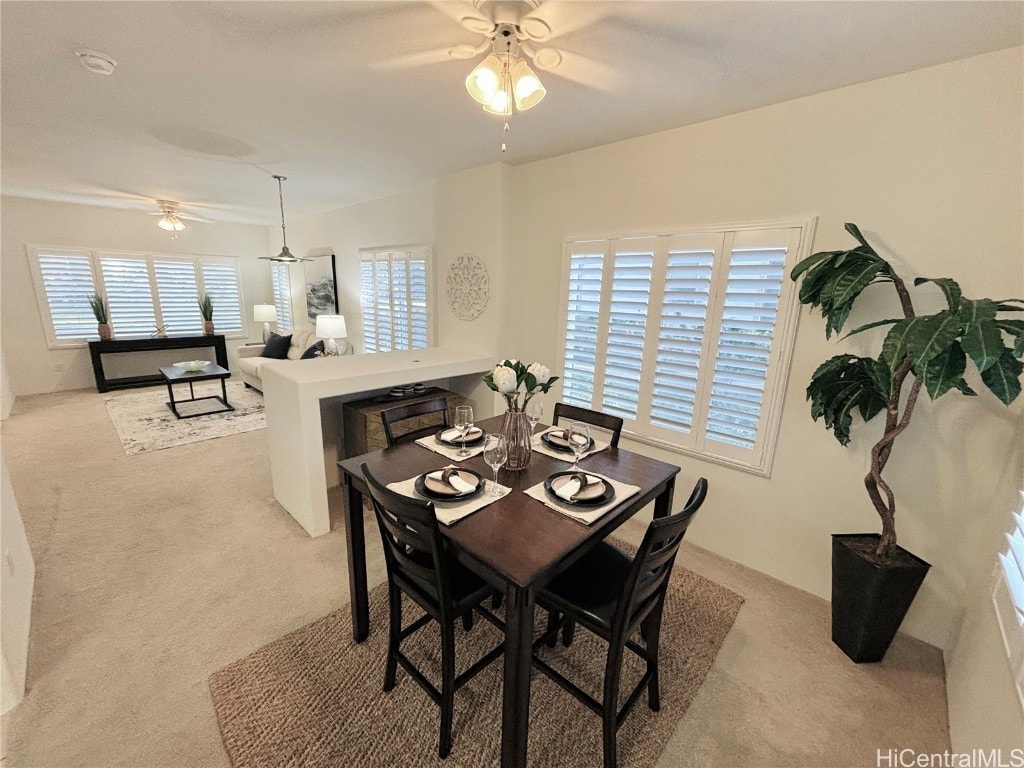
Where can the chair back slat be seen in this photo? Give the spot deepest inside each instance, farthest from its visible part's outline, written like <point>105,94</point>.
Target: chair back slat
<point>612,424</point>
<point>413,547</point>
<point>652,566</point>
<point>392,416</point>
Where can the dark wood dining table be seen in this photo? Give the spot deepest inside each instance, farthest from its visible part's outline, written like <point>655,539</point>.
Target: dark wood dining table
<point>517,544</point>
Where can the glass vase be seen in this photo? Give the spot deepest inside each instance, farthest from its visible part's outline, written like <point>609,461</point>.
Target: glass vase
<point>516,430</point>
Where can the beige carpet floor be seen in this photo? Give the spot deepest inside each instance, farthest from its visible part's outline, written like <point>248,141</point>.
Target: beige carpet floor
<point>314,698</point>
<point>154,571</point>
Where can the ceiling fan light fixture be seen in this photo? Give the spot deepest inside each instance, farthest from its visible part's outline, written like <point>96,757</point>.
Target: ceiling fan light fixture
<point>485,79</point>
<point>170,222</point>
<point>526,86</point>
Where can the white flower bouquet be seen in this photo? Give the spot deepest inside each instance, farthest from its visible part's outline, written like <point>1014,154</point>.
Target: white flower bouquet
<point>517,382</point>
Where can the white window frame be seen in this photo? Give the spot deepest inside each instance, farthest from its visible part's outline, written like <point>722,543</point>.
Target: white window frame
<point>408,253</point>
<point>95,255</point>
<point>1011,626</point>
<point>759,459</point>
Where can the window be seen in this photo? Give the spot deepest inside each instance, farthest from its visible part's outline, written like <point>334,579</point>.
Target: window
<point>1008,596</point>
<point>686,336</point>
<point>143,291</point>
<point>282,294</point>
<point>394,297</point>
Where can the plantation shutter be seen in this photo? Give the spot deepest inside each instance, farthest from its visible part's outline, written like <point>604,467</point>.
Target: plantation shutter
<point>627,326</point>
<point>583,310</point>
<point>282,294</point>
<point>130,295</point>
<point>1012,561</point>
<point>687,290</point>
<point>178,294</point>
<point>744,343</point>
<point>67,283</point>
<point>394,300</point>
<point>221,284</point>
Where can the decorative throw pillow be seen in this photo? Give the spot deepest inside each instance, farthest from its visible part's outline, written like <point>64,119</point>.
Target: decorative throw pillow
<point>276,347</point>
<point>313,350</point>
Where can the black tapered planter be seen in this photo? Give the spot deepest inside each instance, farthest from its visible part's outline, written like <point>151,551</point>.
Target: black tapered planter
<point>870,600</point>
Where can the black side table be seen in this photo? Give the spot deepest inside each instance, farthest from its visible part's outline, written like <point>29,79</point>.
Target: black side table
<point>172,375</point>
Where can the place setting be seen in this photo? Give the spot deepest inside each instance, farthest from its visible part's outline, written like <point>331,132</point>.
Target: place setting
<point>459,491</point>
<point>583,496</point>
<point>460,442</point>
<point>571,442</point>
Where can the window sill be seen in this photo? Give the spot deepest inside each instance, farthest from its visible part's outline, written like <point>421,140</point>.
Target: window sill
<point>760,471</point>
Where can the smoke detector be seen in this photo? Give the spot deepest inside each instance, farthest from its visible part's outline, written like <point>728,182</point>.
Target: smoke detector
<point>96,62</point>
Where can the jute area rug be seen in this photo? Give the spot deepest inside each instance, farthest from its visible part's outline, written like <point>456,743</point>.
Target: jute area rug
<point>314,697</point>
<point>145,423</point>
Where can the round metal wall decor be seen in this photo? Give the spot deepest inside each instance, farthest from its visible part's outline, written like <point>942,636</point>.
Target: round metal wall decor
<point>468,287</point>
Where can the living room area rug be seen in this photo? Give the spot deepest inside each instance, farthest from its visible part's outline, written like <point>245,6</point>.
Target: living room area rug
<point>145,423</point>
<point>314,697</point>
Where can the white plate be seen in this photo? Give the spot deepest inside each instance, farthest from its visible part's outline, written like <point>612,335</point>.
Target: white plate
<point>193,365</point>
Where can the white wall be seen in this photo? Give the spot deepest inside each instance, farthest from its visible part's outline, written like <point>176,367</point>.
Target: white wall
<point>405,219</point>
<point>6,391</point>
<point>31,366</point>
<point>929,165</point>
<point>15,596</point>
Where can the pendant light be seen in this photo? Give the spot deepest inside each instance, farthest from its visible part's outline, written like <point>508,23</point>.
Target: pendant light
<point>285,256</point>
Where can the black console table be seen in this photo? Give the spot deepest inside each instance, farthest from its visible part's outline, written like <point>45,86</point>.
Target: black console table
<point>99,348</point>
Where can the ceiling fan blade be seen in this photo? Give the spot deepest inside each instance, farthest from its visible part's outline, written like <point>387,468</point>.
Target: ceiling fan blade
<point>467,14</point>
<point>586,71</point>
<point>562,18</point>
<point>420,59</point>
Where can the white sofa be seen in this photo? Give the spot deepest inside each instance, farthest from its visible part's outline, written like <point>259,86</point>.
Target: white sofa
<point>250,356</point>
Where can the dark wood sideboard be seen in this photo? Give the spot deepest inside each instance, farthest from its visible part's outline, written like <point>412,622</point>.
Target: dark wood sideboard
<point>111,346</point>
<point>364,431</point>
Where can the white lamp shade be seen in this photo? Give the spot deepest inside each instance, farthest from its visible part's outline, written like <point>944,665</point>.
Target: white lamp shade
<point>331,327</point>
<point>485,80</point>
<point>526,86</point>
<point>264,313</point>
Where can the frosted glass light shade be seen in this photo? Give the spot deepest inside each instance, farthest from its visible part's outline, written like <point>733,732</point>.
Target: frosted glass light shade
<point>526,86</point>
<point>171,223</point>
<point>485,80</point>
<point>264,313</point>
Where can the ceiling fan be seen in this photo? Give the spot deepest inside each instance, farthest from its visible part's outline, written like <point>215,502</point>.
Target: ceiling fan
<point>172,218</point>
<point>531,24</point>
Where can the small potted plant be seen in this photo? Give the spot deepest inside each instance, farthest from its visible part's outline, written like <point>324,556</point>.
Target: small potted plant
<point>206,310</point>
<point>874,581</point>
<point>101,312</point>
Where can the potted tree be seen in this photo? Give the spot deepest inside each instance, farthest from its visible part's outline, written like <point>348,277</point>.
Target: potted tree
<point>206,310</point>
<point>874,580</point>
<point>101,312</point>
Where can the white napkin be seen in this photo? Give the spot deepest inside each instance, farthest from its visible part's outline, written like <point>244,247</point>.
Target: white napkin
<point>448,512</point>
<point>450,452</point>
<point>585,515</point>
<point>572,486</point>
<point>454,481</point>
<point>454,436</point>
<point>541,447</point>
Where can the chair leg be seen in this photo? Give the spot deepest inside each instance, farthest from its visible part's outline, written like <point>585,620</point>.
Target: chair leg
<point>609,708</point>
<point>496,599</point>
<point>467,620</point>
<point>394,631</point>
<point>652,636</point>
<point>447,686</point>
<point>552,620</point>
<point>568,630</point>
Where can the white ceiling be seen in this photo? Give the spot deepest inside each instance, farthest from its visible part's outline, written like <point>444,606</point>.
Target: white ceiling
<point>323,92</point>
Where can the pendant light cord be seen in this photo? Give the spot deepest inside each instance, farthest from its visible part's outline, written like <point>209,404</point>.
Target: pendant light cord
<point>280,199</point>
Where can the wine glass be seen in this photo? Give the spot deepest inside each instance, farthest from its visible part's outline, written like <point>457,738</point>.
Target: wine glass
<point>534,413</point>
<point>578,437</point>
<point>495,454</point>
<point>463,423</point>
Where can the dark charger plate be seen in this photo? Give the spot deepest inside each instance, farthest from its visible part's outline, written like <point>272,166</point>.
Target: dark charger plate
<point>468,475</point>
<point>479,436</point>
<point>554,481</point>
<point>559,443</point>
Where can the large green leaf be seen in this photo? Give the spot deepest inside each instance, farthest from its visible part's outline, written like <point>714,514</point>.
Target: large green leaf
<point>1016,329</point>
<point>841,384</point>
<point>944,371</point>
<point>981,339</point>
<point>875,324</point>
<point>929,336</point>
<point>949,287</point>
<point>854,230</point>
<point>854,279</point>
<point>894,348</point>
<point>1003,378</point>
<point>810,261</point>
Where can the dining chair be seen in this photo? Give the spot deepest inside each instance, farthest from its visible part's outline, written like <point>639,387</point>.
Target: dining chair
<point>420,566</point>
<point>574,413</point>
<point>392,416</point>
<point>612,595</point>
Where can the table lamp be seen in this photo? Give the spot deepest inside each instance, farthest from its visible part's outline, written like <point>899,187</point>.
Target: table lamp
<point>329,328</point>
<point>266,314</point>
